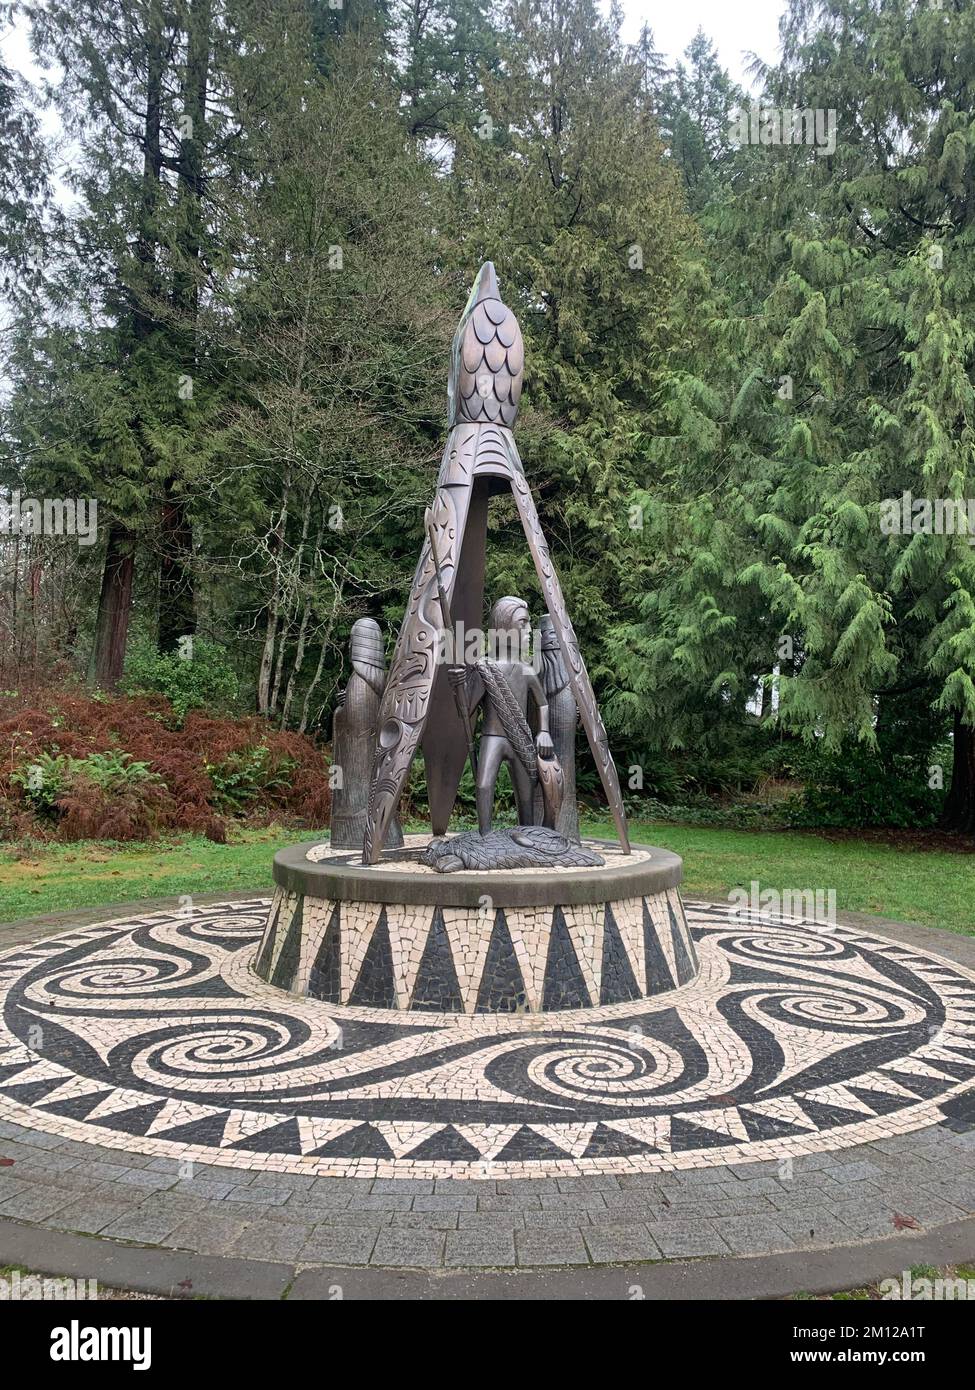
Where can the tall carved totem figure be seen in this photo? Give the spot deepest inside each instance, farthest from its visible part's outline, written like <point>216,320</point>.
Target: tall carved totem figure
<point>418,708</point>
<point>563,719</point>
<point>354,739</point>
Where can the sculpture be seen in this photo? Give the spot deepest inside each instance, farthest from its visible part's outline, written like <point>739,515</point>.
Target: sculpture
<point>504,683</point>
<point>563,720</point>
<point>354,738</point>
<point>418,707</point>
<point>521,847</point>
<point>494,920</point>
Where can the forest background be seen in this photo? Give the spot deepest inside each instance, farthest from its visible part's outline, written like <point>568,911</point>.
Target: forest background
<point>229,286</point>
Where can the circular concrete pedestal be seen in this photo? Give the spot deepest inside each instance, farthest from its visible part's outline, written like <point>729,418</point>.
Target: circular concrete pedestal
<point>399,935</point>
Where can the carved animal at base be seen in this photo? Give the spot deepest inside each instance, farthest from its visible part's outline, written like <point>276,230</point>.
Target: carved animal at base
<point>521,847</point>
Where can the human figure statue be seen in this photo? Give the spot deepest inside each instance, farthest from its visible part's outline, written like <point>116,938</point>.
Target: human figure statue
<point>563,718</point>
<point>503,683</point>
<point>354,739</point>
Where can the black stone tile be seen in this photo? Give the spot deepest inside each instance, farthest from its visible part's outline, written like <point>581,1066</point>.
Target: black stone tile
<point>659,978</point>
<point>564,986</point>
<point>436,985</point>
<point>376,986</point>
<point>502,988</point>
<point>325,980</point>
<point>617,982</point>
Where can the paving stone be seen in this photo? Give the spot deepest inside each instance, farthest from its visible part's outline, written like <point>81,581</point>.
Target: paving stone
<point>91,1215</point>
<point>308,1204</point>
<point>486,1249</point>
<point>217,1172</point>
<point>409,1187</point>
<point>510,1201</point>
<point>144,1181</point>
<point>526,1187</point>
<point>743,1206</point>
<point>259,1196</point>
<point>350,1245</point>
<point>34,1203</point>
<point>551,1247</point>
<point>814,1226</point>
<point>605,1183</point>
<point>858,1171</point>
<point>345,1187</point>
<point>143,1226</point>
<point>501,1221</point>
<point>554,1220</point>
<point>264,1203</point>
<point>206,1189</point>
<point>399,1249</point>
<point>357,1218</point>
<point>270,1240</point>
<point>865,1220</point>
<point>106,1172</point>
<point>426,1220</point>
<point>573,1203</point>
<point>446,1202</point>
<point>381,1202</point>
<point>212,1234</point>
<point>614,1244</point>
<point>751,1235</point>
<point>679,1239</point>
<point>11,1187</point>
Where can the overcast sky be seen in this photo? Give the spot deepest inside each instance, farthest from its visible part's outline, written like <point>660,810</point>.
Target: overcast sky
<point>735,27</point>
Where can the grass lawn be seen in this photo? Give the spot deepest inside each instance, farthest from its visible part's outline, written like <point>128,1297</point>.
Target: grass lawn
<point>932,887</point>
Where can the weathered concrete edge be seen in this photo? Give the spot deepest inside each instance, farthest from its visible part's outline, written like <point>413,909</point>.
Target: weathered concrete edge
<point>178,1274</point>
<point>352,883</point>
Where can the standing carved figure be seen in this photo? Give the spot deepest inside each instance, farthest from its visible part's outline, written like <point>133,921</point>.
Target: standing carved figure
<point>563,719</point>
<point>354,739</point>
<point>503,684</point>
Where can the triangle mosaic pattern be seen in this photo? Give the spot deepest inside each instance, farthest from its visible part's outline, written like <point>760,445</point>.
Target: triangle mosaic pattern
<point>466,961</point>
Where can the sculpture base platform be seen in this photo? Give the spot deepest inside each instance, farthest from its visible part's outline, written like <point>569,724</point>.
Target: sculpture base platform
<point>399,935</point>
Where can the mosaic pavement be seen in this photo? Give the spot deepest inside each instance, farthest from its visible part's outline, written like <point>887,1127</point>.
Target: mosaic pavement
<point>153,1036</point>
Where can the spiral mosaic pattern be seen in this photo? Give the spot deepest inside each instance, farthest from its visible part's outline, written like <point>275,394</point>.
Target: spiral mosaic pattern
<point>155,1035</point>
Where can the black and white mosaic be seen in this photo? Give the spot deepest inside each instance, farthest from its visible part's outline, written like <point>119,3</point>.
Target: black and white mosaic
<point>155,1035</point>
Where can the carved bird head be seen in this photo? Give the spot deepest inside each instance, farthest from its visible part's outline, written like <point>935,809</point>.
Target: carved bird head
<point>487,362</point>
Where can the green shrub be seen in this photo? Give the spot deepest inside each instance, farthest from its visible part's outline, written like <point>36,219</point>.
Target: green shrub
<point>104,795</point>
<point>43,782</point>
<point>861,788</point>
<point>250,776</point>
<point>203,680</point>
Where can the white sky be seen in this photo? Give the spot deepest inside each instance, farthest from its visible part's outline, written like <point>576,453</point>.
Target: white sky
<point>735,27</point>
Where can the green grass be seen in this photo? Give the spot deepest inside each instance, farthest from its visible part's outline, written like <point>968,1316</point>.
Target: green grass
<point>934,888</point>
<point>60,877</point>
<point>931,887</point>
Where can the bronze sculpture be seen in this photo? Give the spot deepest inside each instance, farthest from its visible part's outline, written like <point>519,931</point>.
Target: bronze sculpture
<point>563,720</point>
<point>354,739</point>
<point>504,682</point>
<point>418,707</point>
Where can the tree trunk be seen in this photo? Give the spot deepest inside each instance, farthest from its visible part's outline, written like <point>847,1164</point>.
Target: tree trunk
<point>959,812</point>
<point>177,589</point>
<point>177,580</point>
<point>114,603</point>
<point>114,610</point>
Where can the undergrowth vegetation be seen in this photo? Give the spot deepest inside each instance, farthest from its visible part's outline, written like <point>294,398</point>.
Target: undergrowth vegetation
<point>78,766</point>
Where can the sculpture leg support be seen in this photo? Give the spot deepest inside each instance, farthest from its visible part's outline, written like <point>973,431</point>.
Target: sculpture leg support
<point>491,754</point>
<point>524,792</point>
